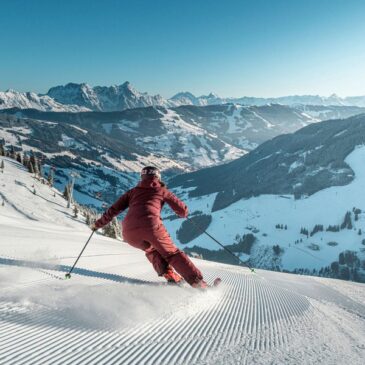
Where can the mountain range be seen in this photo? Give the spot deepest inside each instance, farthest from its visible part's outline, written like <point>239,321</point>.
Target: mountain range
<point>279,186</point>
<point>108,149</point>
<point>74,97</point>
<point>113,146</point>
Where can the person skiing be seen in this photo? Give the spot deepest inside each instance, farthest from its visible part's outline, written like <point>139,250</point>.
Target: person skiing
<point>143,228</point>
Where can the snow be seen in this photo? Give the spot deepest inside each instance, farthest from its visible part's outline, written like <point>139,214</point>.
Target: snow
<point>136,165</point>
<point>340,133</point>
<point>84,131</point>
<point>185,136</point>
<point>326,207</point>
<point>103,98</point>
<point>182,145</point>
<point>70,142</point>
<point>294,165</point>
<point>268,124</point>
<point>9,137</point>
<point>234,118</point>
<point>14,99</point>
<point>114,309</point>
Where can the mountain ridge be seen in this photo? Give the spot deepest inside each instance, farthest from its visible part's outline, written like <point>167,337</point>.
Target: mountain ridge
<point>77,97</point>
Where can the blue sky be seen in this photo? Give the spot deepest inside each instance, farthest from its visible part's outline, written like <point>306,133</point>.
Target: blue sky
<point>233,48</point>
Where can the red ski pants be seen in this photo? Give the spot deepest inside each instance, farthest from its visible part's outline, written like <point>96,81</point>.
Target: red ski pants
<point>161,252</point>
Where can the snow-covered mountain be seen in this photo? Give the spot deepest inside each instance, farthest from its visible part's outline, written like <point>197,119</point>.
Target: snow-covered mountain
<point>187,98</point>
<point>103,98</point>
<point>74,97</point>
<point>109,149</point>
<point>115,310</point>
<point>294,203</point>
<point>29,100</point>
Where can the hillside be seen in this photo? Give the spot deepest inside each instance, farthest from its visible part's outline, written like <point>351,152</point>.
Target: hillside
<point>108,149</point>
<point>301,163</point>
<point>114,310</point>
<point>299,197</point>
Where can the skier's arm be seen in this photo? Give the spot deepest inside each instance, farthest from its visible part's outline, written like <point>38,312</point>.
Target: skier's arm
<point>176,204</point>
<point>120,205</point>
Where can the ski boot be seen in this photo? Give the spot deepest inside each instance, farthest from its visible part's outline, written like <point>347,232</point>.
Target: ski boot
<point>173,277</point>
<point>201,284</point>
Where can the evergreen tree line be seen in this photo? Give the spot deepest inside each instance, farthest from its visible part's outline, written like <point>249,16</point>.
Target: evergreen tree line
<point>348,267</point>
<point>346,224</point>
<point>281,226</point>
<point>31,162</point>
<point>34,166</point>
<point>357,212</point>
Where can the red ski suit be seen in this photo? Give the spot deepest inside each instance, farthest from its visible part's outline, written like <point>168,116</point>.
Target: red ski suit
<point>143,228</point>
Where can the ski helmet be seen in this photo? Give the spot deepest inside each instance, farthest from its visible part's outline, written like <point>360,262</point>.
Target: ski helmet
<point>151,171</point>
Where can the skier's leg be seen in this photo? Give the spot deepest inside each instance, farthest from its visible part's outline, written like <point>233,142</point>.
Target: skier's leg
<point>158,262</point>
<point>162,242</point>
<point>134,239</point>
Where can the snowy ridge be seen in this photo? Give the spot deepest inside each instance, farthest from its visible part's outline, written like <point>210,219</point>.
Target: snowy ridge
<point>187,98</point>
<point>75,97</point>
<point>115,310</point>
<point>103,98</point>
<point>14,99</point>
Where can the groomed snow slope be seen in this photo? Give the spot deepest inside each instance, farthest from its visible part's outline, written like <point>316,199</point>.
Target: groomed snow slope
<point>115,310</point>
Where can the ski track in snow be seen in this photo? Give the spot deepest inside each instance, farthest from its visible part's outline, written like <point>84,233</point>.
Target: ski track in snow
<point>247,319</point>
<point>115,310</point>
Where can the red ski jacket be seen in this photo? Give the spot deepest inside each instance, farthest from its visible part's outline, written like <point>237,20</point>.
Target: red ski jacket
<point>145,202</point>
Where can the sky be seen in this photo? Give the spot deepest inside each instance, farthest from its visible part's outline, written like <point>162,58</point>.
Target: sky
<point>230,47</point>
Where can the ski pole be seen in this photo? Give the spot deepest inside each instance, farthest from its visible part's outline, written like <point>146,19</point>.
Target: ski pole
<point>224,247</point>
<point>68,275</point>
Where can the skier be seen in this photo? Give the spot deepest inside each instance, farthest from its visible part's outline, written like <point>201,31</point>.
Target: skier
<point>143,228</point>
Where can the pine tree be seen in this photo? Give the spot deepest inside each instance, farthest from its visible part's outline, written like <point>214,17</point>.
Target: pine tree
<point>25,160</point>
<point>76,211</point>
<point>341,258</point>
<point>276,249</point>
<point>19,157</point>
<point>12,153</point>
<point>2,151</point>
<point>36,167</point>
<point>2,166</point>
<point>30,167</point>
<point>50,177</point>
<point>347,223</point>
<point>40,168</point>
<point>109,230</point>
<point>118,231</point>
<point>112,229</point>
<point>66,192</point>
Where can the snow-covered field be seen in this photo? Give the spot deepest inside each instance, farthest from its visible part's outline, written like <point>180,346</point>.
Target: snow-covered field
<point>114,310</point>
